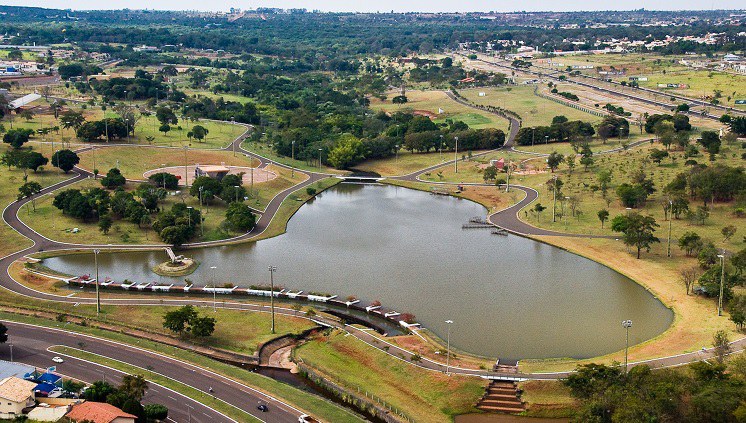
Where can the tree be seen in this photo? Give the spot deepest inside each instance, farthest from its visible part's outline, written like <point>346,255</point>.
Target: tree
<point>17,137</point>
<point>29,189</point>
<point>203,326</point>
<point>176,234</point>
<point>134,386</point>
<point>638,230</point>
<point>210,187</point>
<point>554,160</point>
<point>104,224</point>
<point>657,156</point>
<point>71,119</point>
<point>631,195</point>
<point>691,243</point>
<point>603,215</point>
<point>738,125</point>
<point>710,140</point>
<point>165,180</point>
<point>489,174</point>
<point>15,54</point>
<point>688,276</point>
<point>348,152</point>
<point>99,391</point>
<point>199,132</point>
<point>240,217</point>
<point>32,160</point>
<point>721,345</point>
<point>156,412</point>
<point>3,333</point>
<point>728,232</point>
<point>177,320</point>
<point>164,128</point>
<point>166,116</point>
<point>113,179</point>
<point>538,208</point>
<point>399,99</point>
<point>65,160</point>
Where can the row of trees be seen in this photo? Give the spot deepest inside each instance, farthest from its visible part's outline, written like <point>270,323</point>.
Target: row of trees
<point>127,397</point>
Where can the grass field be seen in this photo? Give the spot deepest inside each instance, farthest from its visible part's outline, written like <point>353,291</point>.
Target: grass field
<point>265,150</point>
<point>534,110</point>
<point>431,101</point>
<point>701,83</point>
<point>219,134</point>
<point>407,162</point>
<point>546,398</point>
<point>134,161</point>
<point>421,394</point>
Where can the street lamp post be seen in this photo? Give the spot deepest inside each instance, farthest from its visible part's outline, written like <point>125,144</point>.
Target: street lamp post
<point>455,155</point>
<point>397,153</point>
<point>11,352</point>
<point>319,158</point>
<point>670,218</point>
<point>546,139</point>
<point>98,298</point>
<point>214,291</point>
<point>554,205</point>
<point>236,187</point>
<point>564,216</point>
<point>448,347</point>
<point>233,122</point>
<point>722,280</point>
<point>186,166</point>
<point>292,157</point>
<point>626,324</point>
<point>272,270</point>
<point>441,148</point>
<point>189,215</point>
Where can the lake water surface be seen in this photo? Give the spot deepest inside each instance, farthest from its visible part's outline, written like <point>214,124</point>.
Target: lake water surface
<point>509,297</point>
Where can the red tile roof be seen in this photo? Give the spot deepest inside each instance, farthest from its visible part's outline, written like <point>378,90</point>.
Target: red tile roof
<point>97,412</point>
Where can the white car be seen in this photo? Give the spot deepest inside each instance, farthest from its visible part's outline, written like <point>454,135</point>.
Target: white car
<point>57,359</point>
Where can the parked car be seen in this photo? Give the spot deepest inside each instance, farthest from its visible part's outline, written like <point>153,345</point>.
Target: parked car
<point>305,418</point>
<point>57,359</point>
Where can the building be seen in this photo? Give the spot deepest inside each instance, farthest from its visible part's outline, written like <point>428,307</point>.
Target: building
<point>16,394</point>
<point>217,172</point>
<point>8,369</point>
<point>98,412</point>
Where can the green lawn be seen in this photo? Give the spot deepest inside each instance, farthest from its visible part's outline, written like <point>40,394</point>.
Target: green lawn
<point>422,395</point>
<point>533,110</point>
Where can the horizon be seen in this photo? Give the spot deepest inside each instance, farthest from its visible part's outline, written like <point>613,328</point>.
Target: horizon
<point>385,6</point>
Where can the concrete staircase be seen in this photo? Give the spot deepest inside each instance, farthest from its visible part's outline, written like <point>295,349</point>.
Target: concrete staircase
<point>501,397</point>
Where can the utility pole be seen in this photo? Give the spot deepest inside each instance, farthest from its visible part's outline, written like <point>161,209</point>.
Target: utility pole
<point>626,324</point>
<point>272,270</point>
<point>233,122</point>
<point>722,281</point>
<point>214,291</point>
<point>292,156</point>
<point>448,348</point>
<point>455,155</point>
<point>554,206</point>
<point>98,297</point>
<point>670,218</point>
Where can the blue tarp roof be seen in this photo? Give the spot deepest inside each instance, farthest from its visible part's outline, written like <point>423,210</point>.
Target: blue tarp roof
<point>49,378</point>
<point>8,369</point>
<point>45,388</point>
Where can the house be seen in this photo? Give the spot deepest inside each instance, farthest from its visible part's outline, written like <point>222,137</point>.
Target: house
<point>217,172</point>
<point>16,394</point>
<point>98,412</point>
<point>8,369</point>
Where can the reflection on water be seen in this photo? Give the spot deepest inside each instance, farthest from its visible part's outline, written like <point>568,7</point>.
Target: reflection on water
<point>510,297</point>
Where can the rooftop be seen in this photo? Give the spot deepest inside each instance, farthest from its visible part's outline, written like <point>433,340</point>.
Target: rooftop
<point>97,412</point>
<point>16,389</point>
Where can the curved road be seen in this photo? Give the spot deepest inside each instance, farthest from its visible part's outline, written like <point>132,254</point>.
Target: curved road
<point>507,219</point>
<point>31,346</point>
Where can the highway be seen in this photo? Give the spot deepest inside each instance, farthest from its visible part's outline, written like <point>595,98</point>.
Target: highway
<point>31,343</point>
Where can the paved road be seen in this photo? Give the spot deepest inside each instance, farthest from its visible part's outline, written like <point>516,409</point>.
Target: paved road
<point>31,343</point>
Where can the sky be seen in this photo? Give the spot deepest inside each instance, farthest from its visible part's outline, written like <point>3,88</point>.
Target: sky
<point>385,5</point>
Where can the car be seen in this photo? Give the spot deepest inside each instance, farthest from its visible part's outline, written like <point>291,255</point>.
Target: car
<point>263,408</point>
<point>305,418</point>
<point>57,359</point>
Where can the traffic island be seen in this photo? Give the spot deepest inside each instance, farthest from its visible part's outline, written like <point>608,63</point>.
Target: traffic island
<point>182,267</point>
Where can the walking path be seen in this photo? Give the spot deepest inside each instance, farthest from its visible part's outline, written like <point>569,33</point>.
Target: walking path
<point>506,219</point>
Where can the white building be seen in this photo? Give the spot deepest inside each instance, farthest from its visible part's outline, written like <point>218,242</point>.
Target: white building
<point>15,395</point>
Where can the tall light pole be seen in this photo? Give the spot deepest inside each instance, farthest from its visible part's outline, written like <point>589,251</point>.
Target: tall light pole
<point>546,139</point>
<point>670,218</point>
<point>554,205</point>
<point>189,215</point>
<point>236,187</point>
<point>441,148</point>
<point>214,291</point>
<point>455,155</point>
<point>233,122</point>
<point>186,166</point>
<point>722,281</point>
<point>397,153</point>
<point>626,324</point>
<point>319,158</point>
<point>11,352</point>
<point>202,229</point>
<point>448,347</point>
<point>272,270</point>
<point>292,157</point>
<point>564,215</point>
<point>98,298</point>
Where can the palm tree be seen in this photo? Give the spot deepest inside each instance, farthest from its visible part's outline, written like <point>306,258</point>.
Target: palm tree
<point>134,386</point>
